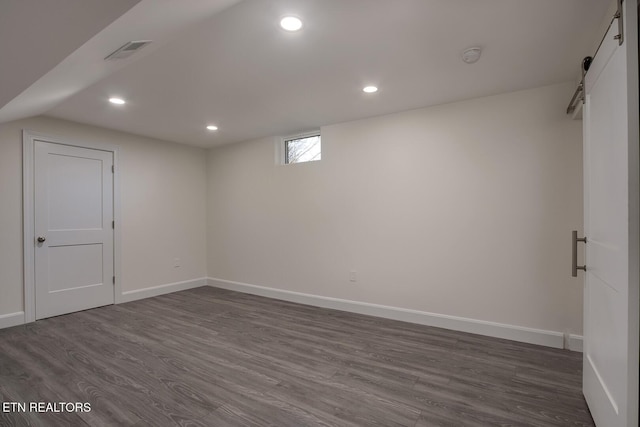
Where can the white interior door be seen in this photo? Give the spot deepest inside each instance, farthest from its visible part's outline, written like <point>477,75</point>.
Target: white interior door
<point>73,209</point>
<point>608,314</point>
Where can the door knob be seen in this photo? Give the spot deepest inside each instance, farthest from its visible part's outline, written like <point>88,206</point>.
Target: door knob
<point>41,239</point>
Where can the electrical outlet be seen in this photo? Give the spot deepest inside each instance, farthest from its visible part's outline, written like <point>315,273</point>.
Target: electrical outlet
<point>176,262</point>
<point>353,277</point>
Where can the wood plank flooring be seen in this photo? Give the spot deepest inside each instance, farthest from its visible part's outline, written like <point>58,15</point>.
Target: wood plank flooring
<point>211,357</point>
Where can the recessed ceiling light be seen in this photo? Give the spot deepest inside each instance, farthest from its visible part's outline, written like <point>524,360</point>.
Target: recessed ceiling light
<point>370,89</point>
<point>291,23</point>
<point>118,101</point>
<point>212,127</point>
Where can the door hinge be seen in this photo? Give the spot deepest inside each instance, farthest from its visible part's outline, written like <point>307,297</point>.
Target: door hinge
<point>114,280</point>
<point>113,224</point>
<point>113,168</point>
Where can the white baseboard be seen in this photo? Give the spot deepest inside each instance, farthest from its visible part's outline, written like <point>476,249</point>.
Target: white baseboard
<point>481,327</point>
<point>574,343</point>
<point>11,319</point>
<point>168,288</point>
<point>14,319</point>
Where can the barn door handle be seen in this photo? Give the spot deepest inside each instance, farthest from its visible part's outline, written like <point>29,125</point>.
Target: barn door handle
<point>574,253</point>
<point>41,239</point>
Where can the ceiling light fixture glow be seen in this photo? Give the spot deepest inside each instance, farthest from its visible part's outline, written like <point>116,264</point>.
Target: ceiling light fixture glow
<point>291,23</point>
<point>212,127</point>
<point>370,89</point>
<point>118,101</point>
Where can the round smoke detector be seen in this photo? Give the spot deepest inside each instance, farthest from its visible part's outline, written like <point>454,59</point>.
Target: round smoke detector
<point>471,55</point>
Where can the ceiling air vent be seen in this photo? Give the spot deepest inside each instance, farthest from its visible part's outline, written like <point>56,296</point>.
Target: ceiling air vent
<point>127,49</point>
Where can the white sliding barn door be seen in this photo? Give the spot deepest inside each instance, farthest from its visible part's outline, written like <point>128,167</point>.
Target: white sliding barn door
<point>73,214</point>
<point>610,337</point>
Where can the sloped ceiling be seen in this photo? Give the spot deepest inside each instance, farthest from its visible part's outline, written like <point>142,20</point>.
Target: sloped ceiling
<point>158,20</point>
<point>37,35</point>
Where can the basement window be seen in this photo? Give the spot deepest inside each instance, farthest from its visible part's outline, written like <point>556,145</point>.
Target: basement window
<point>302,148</point>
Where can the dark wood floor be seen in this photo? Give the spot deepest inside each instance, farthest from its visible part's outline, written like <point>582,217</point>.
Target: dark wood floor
<point>210,357</point>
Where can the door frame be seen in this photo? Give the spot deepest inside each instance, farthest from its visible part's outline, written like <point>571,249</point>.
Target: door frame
<point>28,194</point>
<point>632,16</point>
<point>631,12</point>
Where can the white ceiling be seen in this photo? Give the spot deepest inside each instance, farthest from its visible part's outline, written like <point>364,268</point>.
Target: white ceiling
<point>159,20</point>
<point>26,43</point>
<point>237,69</point>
